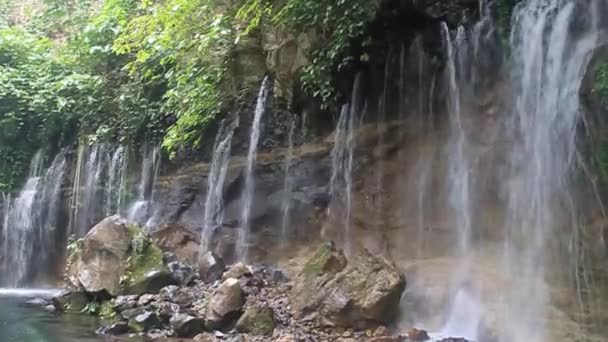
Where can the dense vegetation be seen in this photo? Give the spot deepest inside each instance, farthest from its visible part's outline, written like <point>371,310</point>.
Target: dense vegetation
<point>80,71</point>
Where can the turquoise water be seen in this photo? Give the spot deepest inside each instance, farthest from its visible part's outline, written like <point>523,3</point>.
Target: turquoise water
<point>22,323</point>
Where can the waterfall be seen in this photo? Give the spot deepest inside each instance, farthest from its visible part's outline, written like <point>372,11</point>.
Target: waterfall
<point>552,43</point>
<point>117,178</point>
<point>100,184</point>
<point>29,222</point>
<point>343,158</point>
<point>141,210</point>
<point>288,182</point>
<point>214,201</point>
<point>249,187</point>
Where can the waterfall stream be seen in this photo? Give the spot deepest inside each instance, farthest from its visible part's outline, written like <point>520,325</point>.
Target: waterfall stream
<point>288,182</point>
<point>214,201</point>
<point>249,187</point>
<point>29,223</point>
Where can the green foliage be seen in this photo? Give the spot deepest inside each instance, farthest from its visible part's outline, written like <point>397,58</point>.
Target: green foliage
<point>504,9</point>
<point>183,44</point>
<point>337,22</point>
<point>106,311</point>
<point>144,257</point>
<point>92,308</point>
<point>600,84</point>
<point>74,248</point>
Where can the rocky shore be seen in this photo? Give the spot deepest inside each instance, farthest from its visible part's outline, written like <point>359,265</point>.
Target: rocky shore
<point>139,291</point>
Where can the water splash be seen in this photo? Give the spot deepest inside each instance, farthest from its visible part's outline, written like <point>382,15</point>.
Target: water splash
<point>249,187</point>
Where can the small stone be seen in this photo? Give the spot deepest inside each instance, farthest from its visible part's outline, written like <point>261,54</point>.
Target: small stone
<point>381,331</point>
<point>157,334</point>
<point>167,309</point>
<point>145,322</point>
<point>131,313</point>
<point>418,335</point>
<point>167,293</point>
<point>145,299</point>
<point>186,325</point>
<point>287,338</point>
<point>122,303</point>
<point>119,328</point>
<point>205,337</point>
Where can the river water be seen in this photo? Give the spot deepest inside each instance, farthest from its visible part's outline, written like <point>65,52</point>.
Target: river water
<point>22,323</point>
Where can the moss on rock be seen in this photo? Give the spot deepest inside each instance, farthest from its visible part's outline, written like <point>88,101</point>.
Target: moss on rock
<point>256,321</point>
<point>327,259</point>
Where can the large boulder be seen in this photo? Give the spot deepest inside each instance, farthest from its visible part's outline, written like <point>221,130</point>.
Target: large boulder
<point>99,265</point>
<point>362,293</point>
<point>225,304</point>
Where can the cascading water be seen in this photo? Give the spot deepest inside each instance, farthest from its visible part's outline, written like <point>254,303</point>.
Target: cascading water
<point>288,182</point>
<point>29,222</point>
<point>214,201</point>
<point>117,178</point>
<point>552,44</point>
<point>249,187</point>
<point>343,158</point>
<point>141,210</point>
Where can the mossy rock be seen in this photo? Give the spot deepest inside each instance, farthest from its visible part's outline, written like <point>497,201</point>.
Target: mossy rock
<point>256,321</point>
<point>359,294</point>
<point>327,259</point>
<point>146,271</point>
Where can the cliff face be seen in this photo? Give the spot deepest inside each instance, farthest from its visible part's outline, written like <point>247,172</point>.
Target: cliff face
<point>390,177</point>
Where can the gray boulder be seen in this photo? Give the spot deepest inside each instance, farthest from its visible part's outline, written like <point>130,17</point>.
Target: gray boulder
<point>99,264</point>
<point>185,325</point>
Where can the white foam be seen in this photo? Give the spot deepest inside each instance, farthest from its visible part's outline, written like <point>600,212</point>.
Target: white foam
<point>28,293</point>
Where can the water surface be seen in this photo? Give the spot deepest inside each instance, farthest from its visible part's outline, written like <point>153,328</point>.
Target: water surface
<point>20,322</point>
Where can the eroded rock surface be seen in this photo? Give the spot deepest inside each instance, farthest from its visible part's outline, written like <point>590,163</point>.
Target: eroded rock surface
<point>361,293</point>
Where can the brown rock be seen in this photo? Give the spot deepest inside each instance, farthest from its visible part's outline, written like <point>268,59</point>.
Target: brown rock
<point>237,271</point>
<point>361,294</point>
<point>226,301</point>
<point>177,239</point>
